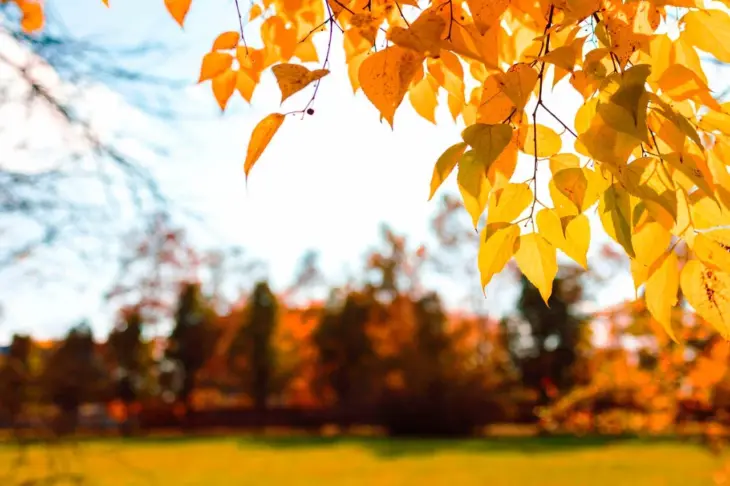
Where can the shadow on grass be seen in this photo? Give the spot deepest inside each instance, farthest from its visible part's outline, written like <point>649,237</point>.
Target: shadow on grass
<point>392,448</point>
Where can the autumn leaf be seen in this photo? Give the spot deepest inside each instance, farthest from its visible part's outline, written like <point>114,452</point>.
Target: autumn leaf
<point>226,40</point>
<point>260,138</point>
<point>33,17</point>
<point>661,290</point>
<point>708,291</point>
<point>507,203</point>
<point>537,259</point>
<point>178,9</point>
<point>488,141</point>
<point>223,87</point>
<point>293,78</point>
<point>713,248</point>
<point>473,184</point>
<point>543,138</point>
<point>708,30</point>
<point>423,35</point>
<point>571,234</point>
<point>445,165</point>
<point>487,13</point>
<point>214,64</point>
<point>614,208</point>
<point>385,77</point>
<point>496,248</point>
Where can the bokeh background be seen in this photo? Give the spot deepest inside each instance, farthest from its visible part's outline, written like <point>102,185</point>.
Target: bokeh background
<point>165,321</point>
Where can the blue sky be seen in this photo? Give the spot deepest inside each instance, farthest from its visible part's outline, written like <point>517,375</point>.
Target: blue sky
<point>325,183</point>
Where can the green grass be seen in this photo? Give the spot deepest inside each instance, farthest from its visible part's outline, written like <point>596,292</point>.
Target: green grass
<point>345,462</point>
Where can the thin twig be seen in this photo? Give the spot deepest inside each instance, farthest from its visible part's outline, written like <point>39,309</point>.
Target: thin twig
<point>240,23</point>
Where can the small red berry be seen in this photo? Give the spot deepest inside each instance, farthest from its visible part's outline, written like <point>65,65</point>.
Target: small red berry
<point>310,111</point>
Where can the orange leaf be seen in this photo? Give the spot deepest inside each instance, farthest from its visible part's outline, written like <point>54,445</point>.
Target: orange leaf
<point>227,40</point>
<point>178,9</point>
<point>385,77</point>
<point>293,78</point>
<point>214,64</point>
<point>33,18</point>
<point>260,138</point>
<point>223,87</point>
<point>254,12</point>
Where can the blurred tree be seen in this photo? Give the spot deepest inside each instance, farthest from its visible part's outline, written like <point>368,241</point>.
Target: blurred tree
<point>73,375</point>
<point>347,361</point>
<point>15,378</point>
<point>192,341</point>
<point>544,338</point>
<point>254,344</point>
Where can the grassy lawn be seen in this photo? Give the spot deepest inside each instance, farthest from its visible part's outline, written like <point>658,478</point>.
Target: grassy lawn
<point>344,462</point>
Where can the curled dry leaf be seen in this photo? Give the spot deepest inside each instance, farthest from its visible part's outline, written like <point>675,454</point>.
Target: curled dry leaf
<point>293,78</point>
<point>260,138</point>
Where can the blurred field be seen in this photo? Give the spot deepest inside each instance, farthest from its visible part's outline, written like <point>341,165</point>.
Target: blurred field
<point>322,461</point>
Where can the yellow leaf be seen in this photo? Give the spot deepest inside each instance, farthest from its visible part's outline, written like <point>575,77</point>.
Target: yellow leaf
<point>496,248</point>
<point>487,13</point>
<point>709,30</point>
<point>680,84</point>
<point>214,64</point>
<point>423,35</point>
<point>260,138</point>
<point>488,141</point>
<point>178,9</point>
<point>385,77</point>
<point>227,40</point>
<point>543,138</point>
<point>661,290</point>
<point>223,87</point>
<point>573,238</point>
<point>559,162</point>
<point>508,202</point>
<point>445,165</point>
<point>614,208</point>
<point>713,248</point>
<point>422,96</point>
<point>473,184</point>
<point>538,261</point>
<point>293,78</point>
<point>650,242</point>
<point>695,168</point>
<point>574,185</point>
<point>708,291</point>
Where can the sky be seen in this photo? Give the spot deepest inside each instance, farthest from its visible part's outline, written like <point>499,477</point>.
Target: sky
<point>326,182</point>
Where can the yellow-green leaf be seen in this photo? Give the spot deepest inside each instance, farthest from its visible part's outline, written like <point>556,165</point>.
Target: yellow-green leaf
<point>614,208</point>
<point>473,185</point>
